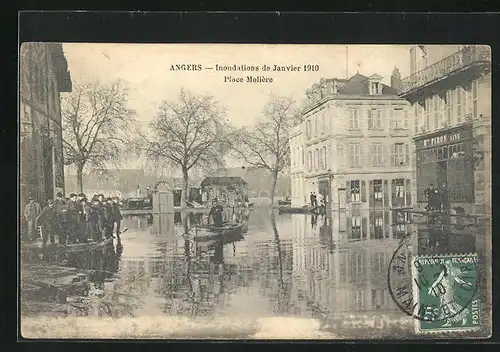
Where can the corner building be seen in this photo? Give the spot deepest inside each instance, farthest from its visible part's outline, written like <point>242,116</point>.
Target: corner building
<point>449,90</point>
<point>43,76</point>
<point>354,147</point>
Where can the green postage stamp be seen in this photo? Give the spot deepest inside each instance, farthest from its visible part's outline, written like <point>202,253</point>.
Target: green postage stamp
<point>445,292</point>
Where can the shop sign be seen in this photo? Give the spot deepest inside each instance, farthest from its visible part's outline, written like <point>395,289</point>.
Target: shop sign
<point>445,138</point>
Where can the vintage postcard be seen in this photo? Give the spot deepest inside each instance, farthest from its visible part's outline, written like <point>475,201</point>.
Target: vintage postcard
<point>248,191</point>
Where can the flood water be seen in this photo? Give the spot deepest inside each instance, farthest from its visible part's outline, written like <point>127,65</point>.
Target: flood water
<point>286,265</point>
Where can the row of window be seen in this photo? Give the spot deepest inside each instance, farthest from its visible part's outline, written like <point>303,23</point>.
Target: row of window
<point>379,191</point>
<point>399,154</point>
<point>441,153</point>
<point>320,123</point>
<point>456,106</point>
<point>375,119</point>
<point>317,159</point>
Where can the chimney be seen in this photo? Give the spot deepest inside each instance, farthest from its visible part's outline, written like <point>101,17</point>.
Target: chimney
<point>396,79</point>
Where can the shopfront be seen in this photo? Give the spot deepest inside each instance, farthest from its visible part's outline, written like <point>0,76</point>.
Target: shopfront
<point>445,159</point>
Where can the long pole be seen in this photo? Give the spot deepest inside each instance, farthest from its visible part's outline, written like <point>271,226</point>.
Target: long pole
<point>54,172</point>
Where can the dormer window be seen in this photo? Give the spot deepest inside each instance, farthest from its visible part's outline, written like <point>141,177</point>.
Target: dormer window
<point>375,84</point>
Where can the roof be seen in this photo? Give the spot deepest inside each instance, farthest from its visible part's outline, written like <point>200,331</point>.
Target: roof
<point>225,180</point>
<point>60,63</point>
<point>358,85</point>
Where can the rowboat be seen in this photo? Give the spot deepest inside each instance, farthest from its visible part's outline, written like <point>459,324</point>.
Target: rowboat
<point>210,233</point>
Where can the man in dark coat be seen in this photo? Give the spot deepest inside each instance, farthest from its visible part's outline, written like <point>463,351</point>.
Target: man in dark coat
<point>83,213</point>
<point>311,198</point>
<point>93,219</point>
<point>109,217</point>
<point>443,193</point>
<point>102,217</point>
<point>433,198</point>
<point>47,220</point>
<point>117,215</point>
<point>73,212</point>
<point>61,219</point>
<point>216,213</point>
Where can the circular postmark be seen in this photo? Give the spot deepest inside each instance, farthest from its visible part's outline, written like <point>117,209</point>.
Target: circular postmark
<point>436,289</point>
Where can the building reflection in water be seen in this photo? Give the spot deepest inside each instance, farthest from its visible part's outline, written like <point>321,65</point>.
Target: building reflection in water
<point>340,263</point>
<point>298,264</point>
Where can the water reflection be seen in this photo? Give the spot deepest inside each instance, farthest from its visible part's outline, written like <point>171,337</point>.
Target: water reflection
<point>300,265</point>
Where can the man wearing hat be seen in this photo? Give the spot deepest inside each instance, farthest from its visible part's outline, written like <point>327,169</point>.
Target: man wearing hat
<point>61,212</point>
<point>216,213</point>
<point>93,219</point>
<point>83,213</point>
<point>110,217</point>
<point>47,219</point>
<point>117,215</point>
<point>101,211</point>
<point>73,212</point>
<point>31,211</point>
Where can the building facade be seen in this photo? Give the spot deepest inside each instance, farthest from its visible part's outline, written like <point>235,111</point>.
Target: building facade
<point>449,89</point>
<point>43,76</point>
<point>354,146</point>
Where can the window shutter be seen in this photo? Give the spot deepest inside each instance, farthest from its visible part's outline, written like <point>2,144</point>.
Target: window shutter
<point>408,192</point>
<point>363,191</point>
<point>407,154</point>
<point>405,119</point>
<point>349,226</point>
<point>348,191</point>
<point>393,154</point>
<point>379,119</point>
<point>386,193</point>
<point>371,201</point>
<point>351,154</point>
<point>393,191</point>
<point>370,119</point>
<point>364,227</point>
<point>387,224</point>
<point>372,156</point>
<point>392,118</point>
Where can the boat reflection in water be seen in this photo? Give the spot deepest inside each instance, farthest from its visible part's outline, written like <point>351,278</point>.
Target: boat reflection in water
<point>332,269</point>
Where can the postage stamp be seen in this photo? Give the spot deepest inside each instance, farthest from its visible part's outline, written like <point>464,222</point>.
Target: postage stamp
<point>445,292</point>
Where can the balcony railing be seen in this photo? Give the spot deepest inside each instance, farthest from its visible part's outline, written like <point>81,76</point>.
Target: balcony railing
<point>468,56</point>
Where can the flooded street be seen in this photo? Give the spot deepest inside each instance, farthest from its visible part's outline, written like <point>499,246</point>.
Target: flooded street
<point>305,269</point>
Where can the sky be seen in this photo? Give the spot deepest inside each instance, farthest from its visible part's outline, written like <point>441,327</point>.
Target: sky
<point>146,68</point>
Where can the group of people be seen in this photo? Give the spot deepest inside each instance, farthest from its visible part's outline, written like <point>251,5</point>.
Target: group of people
<point>73,220</point>
<point>314,200</point>
<point>436,197</point>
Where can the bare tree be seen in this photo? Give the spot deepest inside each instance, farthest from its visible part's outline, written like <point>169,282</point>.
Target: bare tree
<point>191,133</point>
<point>96,124</point>
<point>266,144</point>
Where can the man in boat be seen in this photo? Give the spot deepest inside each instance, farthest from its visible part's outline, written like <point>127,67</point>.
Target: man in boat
<point>31,211</point>
<point>216,213</point>
<point>47,219</point>
<point>117,215</point>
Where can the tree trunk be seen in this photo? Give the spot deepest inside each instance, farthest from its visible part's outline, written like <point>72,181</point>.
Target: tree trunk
<point>184,195</point>
<point>273,187</point>
<point>79,177</point>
